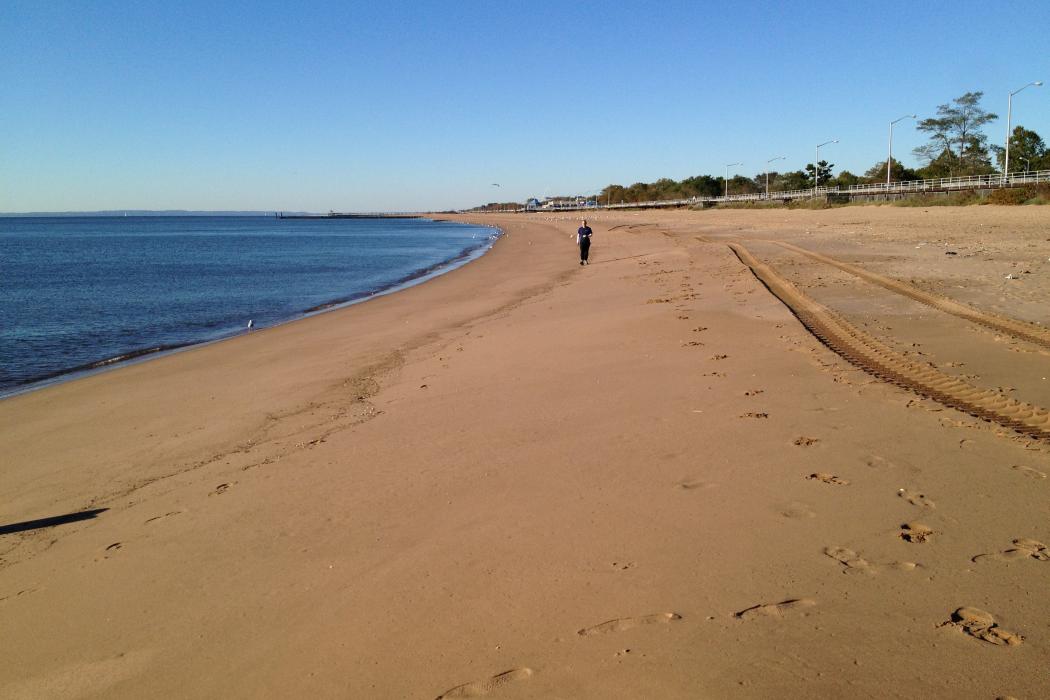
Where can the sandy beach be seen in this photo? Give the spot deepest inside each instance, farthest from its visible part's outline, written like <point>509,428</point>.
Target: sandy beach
<point>744,453</point>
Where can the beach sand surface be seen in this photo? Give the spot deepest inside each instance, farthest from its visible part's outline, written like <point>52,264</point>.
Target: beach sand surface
<point>531,479</point>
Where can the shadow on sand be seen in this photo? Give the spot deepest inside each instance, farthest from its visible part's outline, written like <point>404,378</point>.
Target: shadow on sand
<point>51,522</point>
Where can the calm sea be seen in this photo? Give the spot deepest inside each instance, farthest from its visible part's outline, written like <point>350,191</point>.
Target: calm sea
<point>78,293</point>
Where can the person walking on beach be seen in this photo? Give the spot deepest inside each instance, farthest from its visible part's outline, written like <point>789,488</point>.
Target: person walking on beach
<point>583,239</point>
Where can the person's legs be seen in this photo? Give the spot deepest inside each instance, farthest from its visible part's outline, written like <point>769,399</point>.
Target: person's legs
<point>585,247</point>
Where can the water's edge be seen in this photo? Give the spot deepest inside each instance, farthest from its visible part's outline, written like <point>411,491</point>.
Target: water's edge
<point>135,356</point>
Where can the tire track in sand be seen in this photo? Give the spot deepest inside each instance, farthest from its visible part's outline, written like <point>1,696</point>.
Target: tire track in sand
<point>1018,329</point>
<point>874,357</point>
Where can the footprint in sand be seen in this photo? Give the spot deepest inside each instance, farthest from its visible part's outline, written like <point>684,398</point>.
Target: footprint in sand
<point>775,610</point>
<point>627,623</point>
<point>1023,548</point>
<point>981,625</point>
<point>720,357</point>
<point>915,498</point>
<point>806,441</point>
<point>916,533</point>
<point>752,414</point>
<point>828,478</point>
<point>693,484</point>
<point>797,510</point>
<point>854,563</point>
<point>220,489</point>
<point>478,689</point>
<point>1029,472</point>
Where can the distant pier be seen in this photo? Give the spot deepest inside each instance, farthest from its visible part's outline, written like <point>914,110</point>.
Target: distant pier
<point>342,215</point>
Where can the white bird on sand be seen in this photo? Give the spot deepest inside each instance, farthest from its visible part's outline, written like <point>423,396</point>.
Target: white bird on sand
<point>251,324</point>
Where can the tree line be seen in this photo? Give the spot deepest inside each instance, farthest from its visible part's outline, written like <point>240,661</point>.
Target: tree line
<point>956,147</point>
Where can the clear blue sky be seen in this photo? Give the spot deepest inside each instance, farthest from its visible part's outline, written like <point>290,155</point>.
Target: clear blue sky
<point>407,106</point>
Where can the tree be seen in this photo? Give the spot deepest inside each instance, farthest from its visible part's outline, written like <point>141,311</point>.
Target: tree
<point>956,140</point>
<point>846,179</point>
<point>701,186</point>
<point>638,192</point>
<point>877,172</point>
<point>823,171</point>
<point>613,194</point>
<point>1024,145</point>
<point>665,188</point>
<point>760,180</point>
<point>786,182</point>
<point>738,184</point>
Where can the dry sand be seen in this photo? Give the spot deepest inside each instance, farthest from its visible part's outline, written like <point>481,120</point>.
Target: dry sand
<point>528,479</point>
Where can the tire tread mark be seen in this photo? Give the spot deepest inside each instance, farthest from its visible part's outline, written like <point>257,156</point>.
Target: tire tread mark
<point>1018,329</point>
<point>878,359</point>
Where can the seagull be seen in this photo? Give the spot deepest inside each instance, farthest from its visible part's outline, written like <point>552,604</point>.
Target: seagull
<point>251,324</point>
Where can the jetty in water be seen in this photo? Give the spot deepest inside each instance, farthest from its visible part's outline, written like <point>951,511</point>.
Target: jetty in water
<point>342,215</point>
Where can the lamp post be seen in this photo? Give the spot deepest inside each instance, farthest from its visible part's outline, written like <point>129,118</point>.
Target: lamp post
<point>1027,163</point>
<point>889,158</point>
<point>767,172</point>
<point>727,176</point>
<point>1009,118</point>
<point>816,164</point>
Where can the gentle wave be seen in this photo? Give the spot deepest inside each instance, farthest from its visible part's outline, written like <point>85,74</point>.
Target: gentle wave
<point>201,286</point>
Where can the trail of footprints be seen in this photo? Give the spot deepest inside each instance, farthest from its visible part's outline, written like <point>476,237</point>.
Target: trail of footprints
<point>480,688</point>
<point>971,621</point>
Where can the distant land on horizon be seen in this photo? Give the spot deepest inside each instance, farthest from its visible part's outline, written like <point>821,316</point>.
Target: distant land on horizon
<point>148,212</point>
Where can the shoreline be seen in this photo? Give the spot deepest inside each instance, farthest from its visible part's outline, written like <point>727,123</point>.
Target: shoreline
<point>138,355</point>
<point>547,480</point>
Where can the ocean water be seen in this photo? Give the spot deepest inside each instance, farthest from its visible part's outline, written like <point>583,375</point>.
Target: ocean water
<point>80,293</point>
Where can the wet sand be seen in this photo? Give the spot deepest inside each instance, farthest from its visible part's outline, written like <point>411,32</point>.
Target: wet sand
<point>530,479</point>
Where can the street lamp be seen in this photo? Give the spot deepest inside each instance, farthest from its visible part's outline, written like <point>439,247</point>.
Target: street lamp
<point>767,171</point>
<point>889,158</point>
<point>816,166</point>
<point>1027,163</point>
<point>1009,118</point>
<point>727,176</point>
